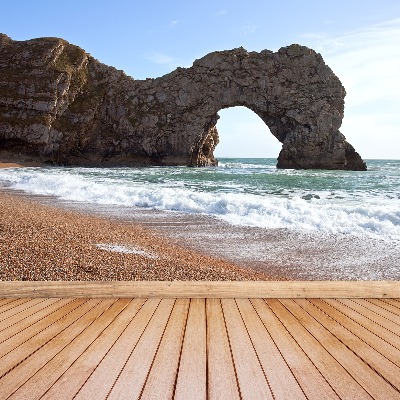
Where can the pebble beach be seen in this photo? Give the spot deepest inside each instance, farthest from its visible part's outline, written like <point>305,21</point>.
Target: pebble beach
<point>45,243</point>
<point>242,220</point>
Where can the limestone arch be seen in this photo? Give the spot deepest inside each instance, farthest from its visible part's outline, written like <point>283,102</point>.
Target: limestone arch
<point>294,93</point>
<point>71,109</point>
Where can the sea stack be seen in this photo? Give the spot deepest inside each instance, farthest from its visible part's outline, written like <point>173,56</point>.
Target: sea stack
<point>60,105</point>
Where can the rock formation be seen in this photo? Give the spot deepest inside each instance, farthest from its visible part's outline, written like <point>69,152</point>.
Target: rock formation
<point>58,104</point>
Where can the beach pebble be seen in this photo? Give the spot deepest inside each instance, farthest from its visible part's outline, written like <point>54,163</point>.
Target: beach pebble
<point>42,242</point>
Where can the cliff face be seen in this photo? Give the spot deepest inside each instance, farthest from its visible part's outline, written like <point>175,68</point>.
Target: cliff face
<point>59,104</point>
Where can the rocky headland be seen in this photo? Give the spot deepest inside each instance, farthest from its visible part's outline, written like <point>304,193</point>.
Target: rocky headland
<point>60,105</point>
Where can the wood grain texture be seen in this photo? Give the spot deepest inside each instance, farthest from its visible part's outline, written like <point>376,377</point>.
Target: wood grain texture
<point>71,381</point>
<point>192,374</point>
<point>222,382</point>
<point>202,289</point>
<point>28,367</point>
<point>282,383</point>
<point>371,359</point>
<point>103,378</point>
<point>41,382</point>
<point>343,370</point>
<point>247,364</point>
<point>132,378</point>
<point>229,348</point>
<point>314,385</point>
<point>162,377</point>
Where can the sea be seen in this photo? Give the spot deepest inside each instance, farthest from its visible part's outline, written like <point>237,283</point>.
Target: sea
<point>296,224</point>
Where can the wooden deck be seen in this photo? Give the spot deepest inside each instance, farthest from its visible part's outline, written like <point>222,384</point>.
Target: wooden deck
<point>302,345</point>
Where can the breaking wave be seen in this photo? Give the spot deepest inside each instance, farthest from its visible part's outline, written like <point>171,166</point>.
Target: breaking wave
<point>241,200</point>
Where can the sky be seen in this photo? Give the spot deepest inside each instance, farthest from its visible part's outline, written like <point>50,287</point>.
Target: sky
<point>358,39</point>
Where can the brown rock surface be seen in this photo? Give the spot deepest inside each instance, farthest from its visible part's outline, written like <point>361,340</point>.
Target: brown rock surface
<point>59,104</point>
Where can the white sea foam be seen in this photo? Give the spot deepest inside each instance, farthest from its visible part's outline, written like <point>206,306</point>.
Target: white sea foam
<point>242,165</point>
<point>126,249</point>
<point>326,211</point>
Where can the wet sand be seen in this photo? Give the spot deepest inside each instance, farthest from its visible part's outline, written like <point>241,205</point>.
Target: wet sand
<point>130,243</point>
<point>19,164</point>
<point>277,253</point>
<point>41,242</point>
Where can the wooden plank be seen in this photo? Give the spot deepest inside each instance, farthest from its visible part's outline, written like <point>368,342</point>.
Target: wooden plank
<point>27,323</point>
<point>365,334</point>
<point>395,303</point>
<point>192,374</point>
<point>57,357</point>
<point>69,384</point>
<point>389,371</point>
<point>282,382</point>
<point>349,376</point>
<point>17,376</point>
<point>160,383</point>
<point>298,325</point>
<point>133,376</point>
<point>20,347</point>
<point>307,375</point>
<point>101,381</point>
<point>25,311</point>
<point>19,308</point>
<point>4,302</point>
<point>40,383</point>
<point>362,308</point>
<point>383,308</point>
<point>251,378</point>
<point>381,327</point>
<point>19,336</point>
<point>12,303</point>
<point>202,289</point>
<point>222,383</point>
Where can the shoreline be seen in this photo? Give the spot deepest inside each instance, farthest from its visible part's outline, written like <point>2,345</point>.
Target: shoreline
<point>278,253</point>
<point>254,253</point>
<point>40,242</point>
<point>20,164</point>
<point>10,160</point>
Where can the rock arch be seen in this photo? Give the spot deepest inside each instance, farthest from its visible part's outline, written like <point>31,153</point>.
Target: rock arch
<point>293,91</point>
<point>64,106</point>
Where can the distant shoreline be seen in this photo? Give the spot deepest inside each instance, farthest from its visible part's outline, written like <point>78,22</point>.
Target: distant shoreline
<point>20,164</point>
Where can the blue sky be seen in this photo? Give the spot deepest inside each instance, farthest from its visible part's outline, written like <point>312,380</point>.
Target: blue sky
<point>358,39</point>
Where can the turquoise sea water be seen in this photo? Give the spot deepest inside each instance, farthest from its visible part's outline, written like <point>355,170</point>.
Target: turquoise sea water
<point>247,192</point>
<point>300,224</point>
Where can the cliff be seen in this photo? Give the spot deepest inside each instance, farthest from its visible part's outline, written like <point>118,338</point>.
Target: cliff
<point>58,104</point>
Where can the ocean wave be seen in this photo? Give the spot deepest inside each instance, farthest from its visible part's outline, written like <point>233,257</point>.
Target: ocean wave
<point>243,165</point>
<point>379,217</point>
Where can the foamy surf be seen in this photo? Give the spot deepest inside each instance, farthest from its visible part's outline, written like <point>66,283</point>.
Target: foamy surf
<point>240,192</point>
<point>125,249</point>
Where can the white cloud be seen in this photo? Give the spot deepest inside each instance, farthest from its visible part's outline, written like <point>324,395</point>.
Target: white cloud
<point>248,28</point>
<point>161,58</point>
<point>367,61</point>
<point>373,136</point>
<point>173,23</point>
<point>166,63</point>
<point>220,13</point>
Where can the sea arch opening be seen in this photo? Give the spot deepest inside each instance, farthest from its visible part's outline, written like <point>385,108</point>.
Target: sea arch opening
<point>243,134</point>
